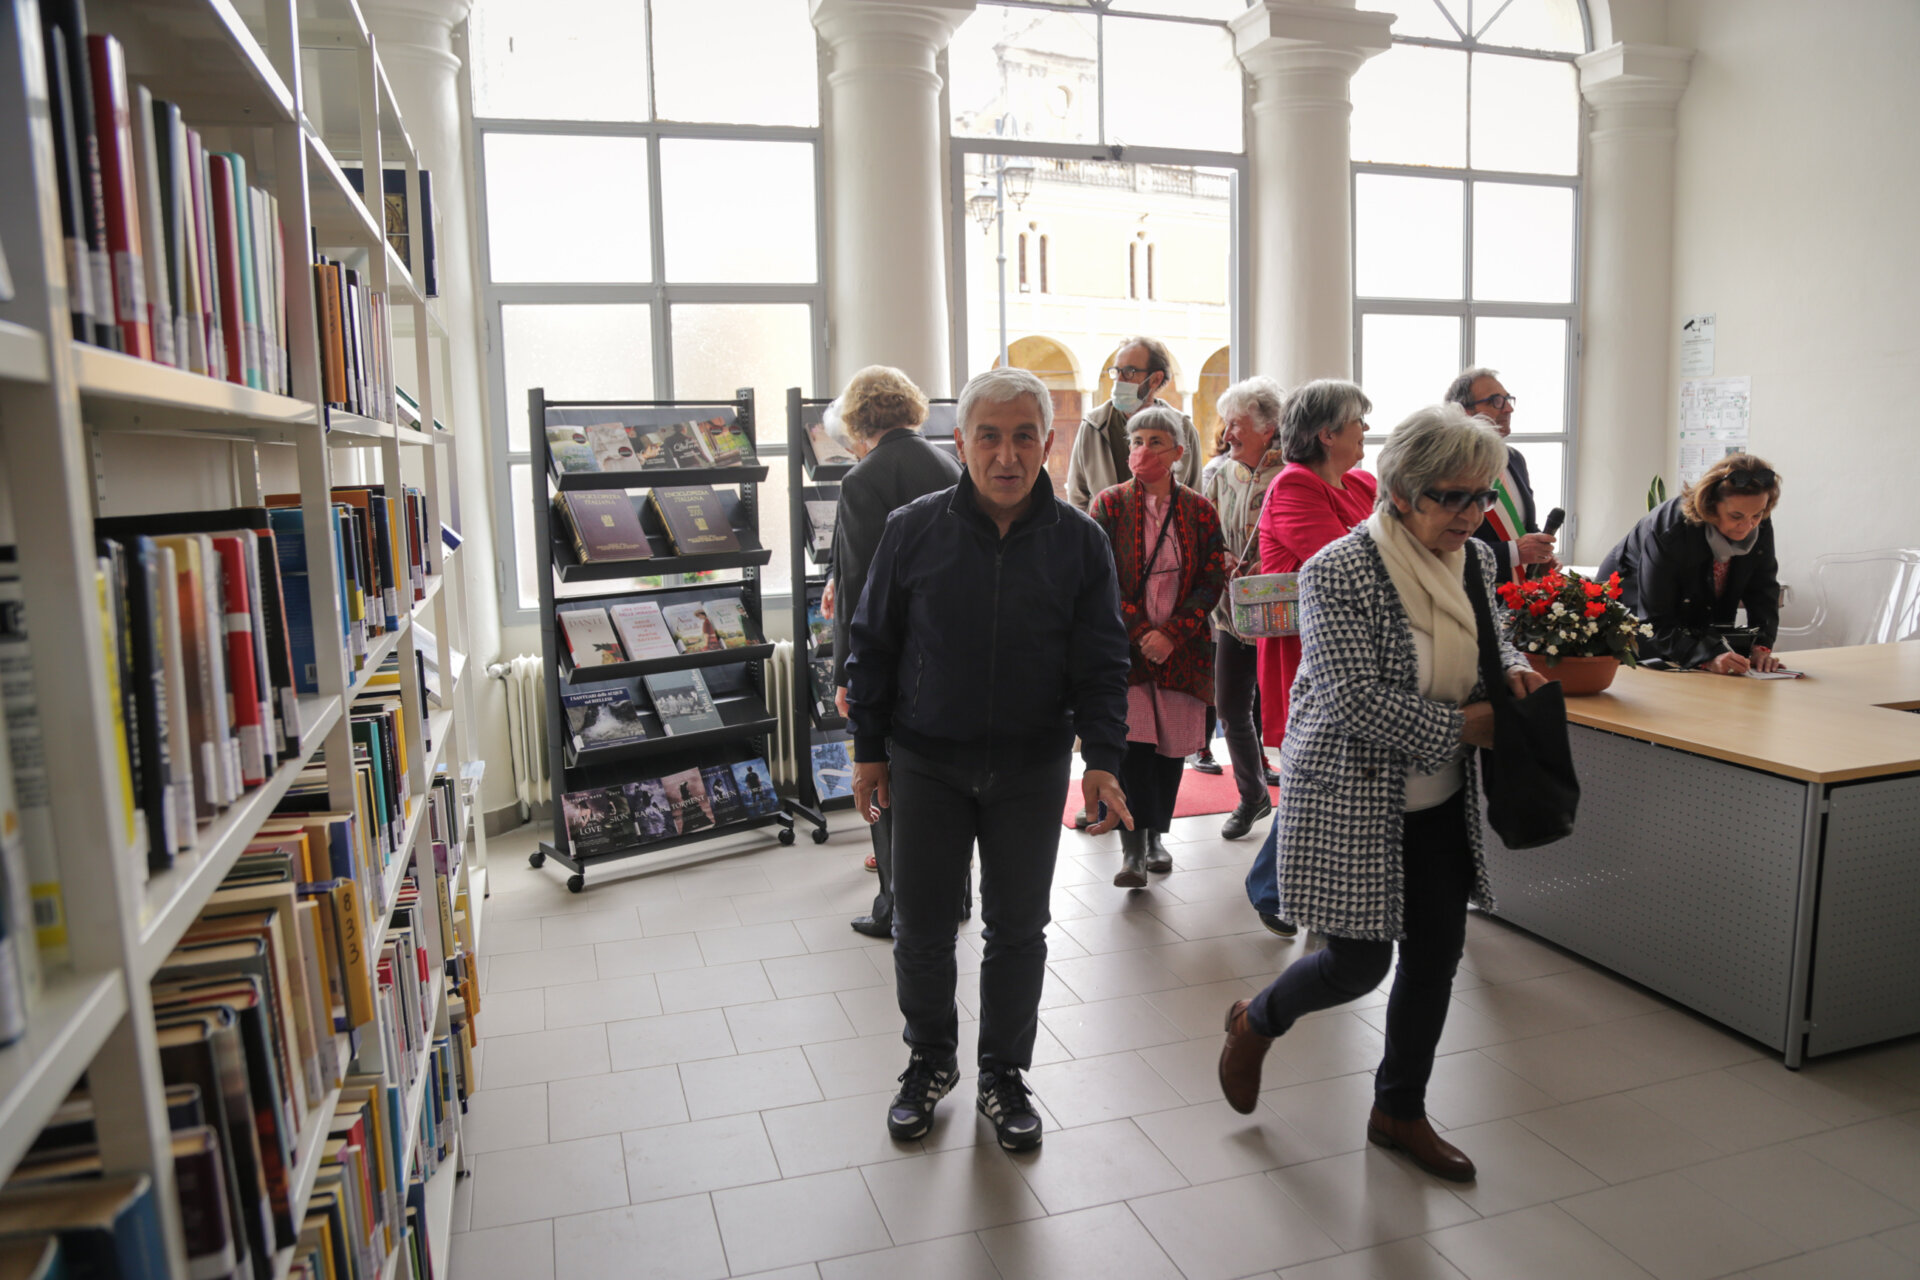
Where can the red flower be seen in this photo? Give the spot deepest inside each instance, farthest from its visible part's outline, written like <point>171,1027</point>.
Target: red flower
<point>1594,590</point>
<point>1537,608</point>
<point>1595,609</point>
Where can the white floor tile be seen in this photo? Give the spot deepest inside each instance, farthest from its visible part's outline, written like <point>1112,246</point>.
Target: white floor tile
<point>714,987</point>
<point>779,1024</point>
<point>582,1004</point>
<point>549,968</point>
<point>948,1192</point>
<point>501,1118</point>
<point>1232,1228</point>
<point>615,1103</point>
<point>1367,1198</point>
<point>702,1155</point>
<point>1516,1168</point>
<point>1396,1260</point>
<point>1675,1230</point>
<point>649,955</point>
<point>778,1224</point>
<point>1109,1026</point>
<point>1097,1164</point>
<point>954,1258</point>
<point>1094,1244</point>
<point>1531,1244</point>
<point>666,1240</point>
<point>1617,1138</point>
<point>1120,973</point>
<point>750,942</point>
<point>1212,1141</point>
<point>546,1055</point>
<point>1091,1090</point>
<point>1884,1154</point>
<point>747,1082</point>
<point>1727,1111</point>
<point>1805,1199</point>
<point>839,1133</point>
<point>670,1038</point>
<point>524,1252</point>
<point>816,974</point>
<point>580,928</point>
<point>529,1183</point>
<point>1855,1260</point>
<point>512,1013</point>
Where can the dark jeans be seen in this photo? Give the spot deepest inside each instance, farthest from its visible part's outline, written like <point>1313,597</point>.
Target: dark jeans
<point>1152,784</point>
<point>1439,874</point>
<point>940,812</point>
<point>882,835</point>
<point>1263,879</point>
<point>1236,670</point>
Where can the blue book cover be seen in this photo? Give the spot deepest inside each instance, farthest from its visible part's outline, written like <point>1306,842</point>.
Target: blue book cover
<point>603,715</point>
<point>756,787</point>
<point>832,769</point>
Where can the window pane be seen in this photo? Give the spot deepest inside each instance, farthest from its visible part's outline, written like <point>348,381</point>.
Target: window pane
<point>1522,242</point>
<point>559,59</point>
<point>1221,9</point>
<point>1539,24</point>
<point>526,565</point>
<point>1422,18</point>
<point>1172,84</point>
<point>721,347</point>
<point>1408,239</point>
<point>1531,356</point>
<point>1546,471</point>
<point>1410,107</point>
<point>534,234</point>
<point>714,237</point>
<point>764,69</point>
<point>1406,363</point>
<point>777,577</point>
<point>574,352</point>
<point>1526,115</point>
<point>1033,73</point>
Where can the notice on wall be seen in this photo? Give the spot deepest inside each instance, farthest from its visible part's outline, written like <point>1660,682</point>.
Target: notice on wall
<point>1696,347</point>
<point>1713,422</point>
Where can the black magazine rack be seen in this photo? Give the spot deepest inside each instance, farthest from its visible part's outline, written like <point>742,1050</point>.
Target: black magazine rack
<point>735,677</point>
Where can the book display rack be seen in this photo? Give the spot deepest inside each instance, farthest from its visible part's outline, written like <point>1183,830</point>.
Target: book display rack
<point>658,729</point>
<point>239,738</point>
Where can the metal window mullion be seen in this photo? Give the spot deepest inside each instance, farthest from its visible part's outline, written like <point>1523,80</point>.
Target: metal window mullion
<point>662,327</point>
<point>1466,234</point>
<point>1236,160</point>
<point>1412,306</point>
<point>570,292</point>
<point>1467,174</point>
<point>652,128</point>
<point>1475,46</point>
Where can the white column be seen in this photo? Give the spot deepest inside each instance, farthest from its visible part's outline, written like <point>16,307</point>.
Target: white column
<point>1301,58</point>
<point>1627,330</point>
<point>415,41</point>
<point>886,242</point>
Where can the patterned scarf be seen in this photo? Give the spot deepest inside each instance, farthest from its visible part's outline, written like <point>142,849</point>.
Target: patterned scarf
<point>1434,593</point>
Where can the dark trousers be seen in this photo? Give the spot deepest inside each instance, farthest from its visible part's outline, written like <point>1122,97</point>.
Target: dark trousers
<point>940,812</point>
<point>881,833</point>
<point>1152,783</point>
<point>1263,878</point>
<point>1439,874</point>
<point>1236,671</point>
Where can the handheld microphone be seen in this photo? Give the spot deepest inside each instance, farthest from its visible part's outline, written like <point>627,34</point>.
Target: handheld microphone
<point>1555,518</point>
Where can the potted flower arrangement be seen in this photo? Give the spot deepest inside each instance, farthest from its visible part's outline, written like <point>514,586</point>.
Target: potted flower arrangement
<point>1572,629</point>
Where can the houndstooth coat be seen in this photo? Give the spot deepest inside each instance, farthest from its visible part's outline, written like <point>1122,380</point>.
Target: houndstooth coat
<point>1357,723</point>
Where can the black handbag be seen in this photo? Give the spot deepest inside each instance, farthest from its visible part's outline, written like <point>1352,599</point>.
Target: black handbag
<point>1532,789</point>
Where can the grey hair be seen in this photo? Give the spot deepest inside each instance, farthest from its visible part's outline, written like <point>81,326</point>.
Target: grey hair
<point>1158,417</point>
<point>1460,390</point>
<point>1259,395</point>
<point>1311,409</point>
<point>999,386</point>
<point>1433,444</point>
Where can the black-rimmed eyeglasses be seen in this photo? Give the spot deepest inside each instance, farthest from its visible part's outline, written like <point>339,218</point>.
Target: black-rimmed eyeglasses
<point>1127,373</point>
<point>1755,480</point>
<point>1495,403</point>
<point>1457,500</point>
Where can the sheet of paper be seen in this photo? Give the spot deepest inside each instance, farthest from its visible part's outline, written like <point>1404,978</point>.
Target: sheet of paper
<point>1696,347</point>
<point>1713,422</point>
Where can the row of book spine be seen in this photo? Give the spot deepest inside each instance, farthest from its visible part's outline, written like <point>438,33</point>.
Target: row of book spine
<point>356,342</point>
<point>171,255</point>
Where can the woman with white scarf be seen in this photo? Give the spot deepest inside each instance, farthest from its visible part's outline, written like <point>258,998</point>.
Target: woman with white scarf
<point>1379,825</point>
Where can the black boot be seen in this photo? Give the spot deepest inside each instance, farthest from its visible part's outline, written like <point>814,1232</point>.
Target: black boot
<point>1159,861</point>
<point>1133,869</point>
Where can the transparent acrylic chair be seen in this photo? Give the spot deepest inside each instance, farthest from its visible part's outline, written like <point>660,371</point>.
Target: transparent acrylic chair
<point>1860,597</point>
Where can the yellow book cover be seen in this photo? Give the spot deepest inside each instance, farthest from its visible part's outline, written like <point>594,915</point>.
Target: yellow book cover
<point>355,974</point>
<point>128,833</point>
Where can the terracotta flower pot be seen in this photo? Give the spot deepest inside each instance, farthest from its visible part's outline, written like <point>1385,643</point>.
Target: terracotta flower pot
<point>1577,676</point>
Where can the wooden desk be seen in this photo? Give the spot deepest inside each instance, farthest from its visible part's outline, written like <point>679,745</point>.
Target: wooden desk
<point>1749,847</point>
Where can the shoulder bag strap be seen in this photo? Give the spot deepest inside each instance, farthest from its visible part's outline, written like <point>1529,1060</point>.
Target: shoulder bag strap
<point>1146,565</point>
<point>1490,673</point>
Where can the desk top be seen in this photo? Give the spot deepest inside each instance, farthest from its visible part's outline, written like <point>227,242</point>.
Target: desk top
<point>1839,723</point>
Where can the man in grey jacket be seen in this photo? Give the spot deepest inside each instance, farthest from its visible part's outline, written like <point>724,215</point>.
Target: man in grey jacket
<point>1141,370</point>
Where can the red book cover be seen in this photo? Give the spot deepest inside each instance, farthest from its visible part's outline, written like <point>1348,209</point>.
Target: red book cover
<point>113,112</point>
<point>243,689</point>
<point>226,263</point>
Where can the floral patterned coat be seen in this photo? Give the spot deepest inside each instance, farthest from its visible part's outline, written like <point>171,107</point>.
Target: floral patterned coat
<point>1121,512</point>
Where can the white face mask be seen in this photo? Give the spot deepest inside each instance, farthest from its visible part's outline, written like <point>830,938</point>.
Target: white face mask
<point>1127,398</point>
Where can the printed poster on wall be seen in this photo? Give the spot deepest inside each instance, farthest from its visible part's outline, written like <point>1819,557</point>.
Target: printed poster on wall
<point>1696,347</point>
<point>1713,422</point>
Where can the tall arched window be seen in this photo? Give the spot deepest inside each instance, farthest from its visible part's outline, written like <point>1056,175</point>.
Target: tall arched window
<point>1466,196</point>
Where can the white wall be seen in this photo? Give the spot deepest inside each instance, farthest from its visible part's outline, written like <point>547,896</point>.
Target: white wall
<point>1798,181</point>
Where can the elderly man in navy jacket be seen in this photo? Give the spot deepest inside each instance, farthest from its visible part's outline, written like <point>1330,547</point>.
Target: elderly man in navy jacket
<point>988,635</point>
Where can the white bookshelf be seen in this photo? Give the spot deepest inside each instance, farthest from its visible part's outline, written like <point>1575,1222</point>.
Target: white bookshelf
<point>66,407</point>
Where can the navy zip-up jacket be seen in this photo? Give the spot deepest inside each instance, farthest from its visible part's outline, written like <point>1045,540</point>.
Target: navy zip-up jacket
<point>975,649</point>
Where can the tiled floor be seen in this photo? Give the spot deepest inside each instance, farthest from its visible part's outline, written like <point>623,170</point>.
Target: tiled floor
<point>686,1075</point>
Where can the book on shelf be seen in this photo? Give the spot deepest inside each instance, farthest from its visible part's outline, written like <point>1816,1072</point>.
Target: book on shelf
<point>826,710</point>
<point>26,744</point>
<point>113,118</point>
<point>31,1257</point>
<point>681,445</point>
<point>158,261</point>
<point>694,520</point>
<point>723,442</point>
<point>755,787</point>
<point>681,700</point>
<point>572,452</point>
<point>77,160</point>
<point>652,812</point>
<point>107,1227</point>
<point>832,770</point>
<point>604,715</point>
<point>643,630</point>
<point>591,639</point>
<point>132,830</point>
<point>692,630</point>
<point>723,793</point>
<point>828,451</point>
<point>821,514</point>
<point>729,622</point>
<point>605,526</point>
<point>19,953</point>
<point>687,794</point>
<point>612,447</point>
<point>598,821</point>
<point>399,222</point>
<point>819,625</point>
<point>640,439</point>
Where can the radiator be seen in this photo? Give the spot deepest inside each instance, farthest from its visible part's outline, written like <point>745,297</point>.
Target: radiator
<point>788,739</point>
<point>526,729</point>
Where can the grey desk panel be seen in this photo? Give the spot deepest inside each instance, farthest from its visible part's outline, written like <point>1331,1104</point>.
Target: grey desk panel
<point>1866,973</point>
<point>1682,874</point>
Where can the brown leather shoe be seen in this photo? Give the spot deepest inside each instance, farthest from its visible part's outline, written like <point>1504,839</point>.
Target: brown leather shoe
<point>1240,1060</point>
<point>1421,1145</point>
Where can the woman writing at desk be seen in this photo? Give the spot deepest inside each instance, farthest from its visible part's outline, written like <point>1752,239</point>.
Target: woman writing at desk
<point>1694,560</point>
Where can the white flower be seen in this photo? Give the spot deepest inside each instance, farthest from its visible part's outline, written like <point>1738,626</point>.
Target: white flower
<point>1533,646</point>
<point>1646,629</point>
<point>1553,649</point>
<point>1558,608</point>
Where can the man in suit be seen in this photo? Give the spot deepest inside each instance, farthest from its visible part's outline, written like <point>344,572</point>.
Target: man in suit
<point>1510,528</point>
<point>882,411</point>
<point>1142,367</point>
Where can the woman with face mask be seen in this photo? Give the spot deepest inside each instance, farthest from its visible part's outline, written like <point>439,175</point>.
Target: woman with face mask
<point>1171,564</point>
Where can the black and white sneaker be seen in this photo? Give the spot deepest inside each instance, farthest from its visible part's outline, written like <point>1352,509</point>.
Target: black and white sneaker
<point>922,1084</point>
<point>1005,1101</point>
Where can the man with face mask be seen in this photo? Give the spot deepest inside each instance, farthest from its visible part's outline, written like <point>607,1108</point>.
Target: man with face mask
<point>1141,370</point>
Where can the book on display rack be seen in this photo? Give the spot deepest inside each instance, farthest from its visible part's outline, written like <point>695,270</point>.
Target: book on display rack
<point>659,729</point>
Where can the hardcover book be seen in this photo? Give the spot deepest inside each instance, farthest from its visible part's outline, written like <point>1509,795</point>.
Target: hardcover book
<point>606,527</point>
<point>643,630</point>
<point>652,813</point>
<point>832,770</point>
<point>681,700</point>
<point>682,445</point>
<point>694,520</point>
<point>650,447</point>
<point>692,630</point>
<point>603,716</point>
<point>729,622</point>
<point>726,444</point>
<point>612,447</point>
<point>571,449</point>
<point>755,787</point>
<point>723,793</point>
<point>598,821</point>
<point>590,638</point>
<point>687,793</point>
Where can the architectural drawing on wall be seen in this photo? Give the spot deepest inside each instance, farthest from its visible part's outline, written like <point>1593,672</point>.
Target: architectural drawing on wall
<point>1713,422</point>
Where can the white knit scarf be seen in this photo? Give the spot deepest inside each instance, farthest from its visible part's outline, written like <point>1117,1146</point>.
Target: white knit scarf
<point>1435,596</point>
